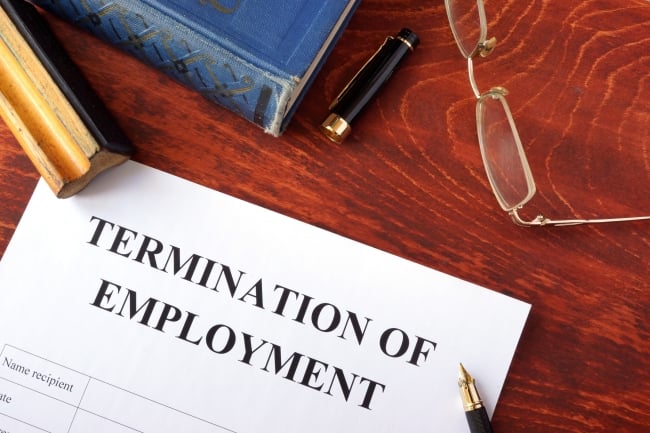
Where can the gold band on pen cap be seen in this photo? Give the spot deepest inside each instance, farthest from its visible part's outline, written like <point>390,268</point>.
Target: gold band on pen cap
<point>335,128</point>
<point>406,42</point>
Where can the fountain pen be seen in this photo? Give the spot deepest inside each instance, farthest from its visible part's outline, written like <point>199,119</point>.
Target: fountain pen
<point>475,412</point>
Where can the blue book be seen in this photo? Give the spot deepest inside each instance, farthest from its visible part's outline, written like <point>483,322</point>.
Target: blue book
<point>254,57</point>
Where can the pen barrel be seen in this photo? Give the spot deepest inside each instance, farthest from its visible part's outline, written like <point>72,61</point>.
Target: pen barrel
<point>373,75</point>
<point>478,421</point>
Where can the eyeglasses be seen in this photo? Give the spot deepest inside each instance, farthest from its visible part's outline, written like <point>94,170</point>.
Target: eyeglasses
<point>503,155</point>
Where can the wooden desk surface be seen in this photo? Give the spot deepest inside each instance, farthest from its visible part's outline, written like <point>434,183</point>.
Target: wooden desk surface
<point>409,180</point>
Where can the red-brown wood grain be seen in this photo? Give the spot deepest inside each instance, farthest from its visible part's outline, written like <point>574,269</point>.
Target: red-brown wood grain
<point>409,180</point>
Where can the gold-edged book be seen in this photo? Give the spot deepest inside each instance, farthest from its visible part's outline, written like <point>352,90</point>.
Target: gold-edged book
<point>60,122</point>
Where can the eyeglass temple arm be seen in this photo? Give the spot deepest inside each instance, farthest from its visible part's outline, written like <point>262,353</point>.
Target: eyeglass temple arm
<point>541,220</point>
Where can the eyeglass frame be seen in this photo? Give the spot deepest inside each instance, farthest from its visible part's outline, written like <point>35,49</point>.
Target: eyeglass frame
<point>483,48</point>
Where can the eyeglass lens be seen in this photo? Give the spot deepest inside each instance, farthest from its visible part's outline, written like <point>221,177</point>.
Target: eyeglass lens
<point>503,156</point>
<point>465,21</point>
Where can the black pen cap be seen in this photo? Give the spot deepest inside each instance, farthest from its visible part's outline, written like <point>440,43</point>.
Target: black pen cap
<point>366,83</point>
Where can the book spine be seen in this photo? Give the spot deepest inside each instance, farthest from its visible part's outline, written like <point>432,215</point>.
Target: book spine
<point>186,56</point>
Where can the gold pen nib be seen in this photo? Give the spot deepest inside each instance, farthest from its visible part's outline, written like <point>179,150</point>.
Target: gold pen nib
<point>468,392</point>
<point>464,375</point>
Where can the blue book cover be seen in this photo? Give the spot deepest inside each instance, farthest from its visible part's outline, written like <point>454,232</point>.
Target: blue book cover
<point>254,57</point>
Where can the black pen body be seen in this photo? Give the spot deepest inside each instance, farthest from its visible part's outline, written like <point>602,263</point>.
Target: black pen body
<point>478,421</point>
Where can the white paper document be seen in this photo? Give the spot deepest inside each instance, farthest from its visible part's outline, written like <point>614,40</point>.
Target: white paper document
<point>147,303</point>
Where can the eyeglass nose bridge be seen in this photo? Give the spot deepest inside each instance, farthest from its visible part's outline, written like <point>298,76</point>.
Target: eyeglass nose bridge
<point>486,47</point>
<point>483,49</point>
